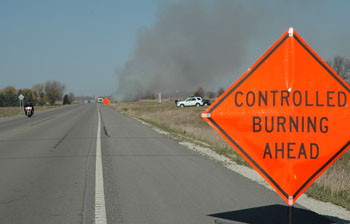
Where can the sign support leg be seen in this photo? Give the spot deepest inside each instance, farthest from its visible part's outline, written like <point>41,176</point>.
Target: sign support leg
<point>290,214</point>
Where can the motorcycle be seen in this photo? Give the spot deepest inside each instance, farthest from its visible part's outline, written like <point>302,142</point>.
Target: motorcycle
<point>28,111</point>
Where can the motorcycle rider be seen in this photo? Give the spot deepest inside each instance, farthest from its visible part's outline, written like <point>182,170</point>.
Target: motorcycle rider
<point>28,104</point>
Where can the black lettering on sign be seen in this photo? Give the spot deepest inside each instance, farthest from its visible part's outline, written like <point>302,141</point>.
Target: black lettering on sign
<point>311,123</point>
<point>314,151</point>
<point>281,150</point>
<point>290,150</point>
<point>256,124</point>
<point>236,101</point>
<point>300,98</point>
<point>293,122</point>
<point>262,98</point>
<point>266,128</point>
<point>293,150</point>
<point>317,103</point>
<point>341,99</point>
<point>250,98</point>
<point>286,98</point>
<point>306,100</point>
<point>302,151</point>
<point>323,128</point>
<point>281,121</point>
<point>274,96</point>
<point>330,98</point>
<point>267,151</point>
<point>290,124</point>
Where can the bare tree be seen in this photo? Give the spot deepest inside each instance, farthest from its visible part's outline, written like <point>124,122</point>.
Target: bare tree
<point>54,91</point>
<point>211,94</point>
<point>199,92</point>
<point>71,97</point>
<point>38,91</point>
<point>341,66</point>
<point>220,91</point>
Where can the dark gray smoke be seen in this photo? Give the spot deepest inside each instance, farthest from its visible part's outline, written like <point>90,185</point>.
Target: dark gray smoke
<point>192,44</point>
<point>208,43</point>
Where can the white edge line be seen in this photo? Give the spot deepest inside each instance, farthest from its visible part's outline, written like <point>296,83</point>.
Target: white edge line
<point>100,205</point>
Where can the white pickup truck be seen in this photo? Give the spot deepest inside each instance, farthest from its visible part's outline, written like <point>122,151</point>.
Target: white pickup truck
<point>190,101</point>
<point>99,100</point>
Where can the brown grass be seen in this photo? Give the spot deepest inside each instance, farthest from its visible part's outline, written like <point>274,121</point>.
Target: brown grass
<point>183,122</point>
<point>333,185</point>
<point>12,111</point>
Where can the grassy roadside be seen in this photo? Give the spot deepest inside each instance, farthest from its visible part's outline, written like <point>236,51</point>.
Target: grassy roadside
<point>13,111</point>
<point>185,123</point>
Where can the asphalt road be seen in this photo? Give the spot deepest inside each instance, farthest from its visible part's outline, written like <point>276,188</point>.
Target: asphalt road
<point>48,175</point>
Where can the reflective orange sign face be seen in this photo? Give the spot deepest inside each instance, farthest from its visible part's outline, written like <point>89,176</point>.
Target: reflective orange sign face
<point>288,116</point>
<point>106,101</point>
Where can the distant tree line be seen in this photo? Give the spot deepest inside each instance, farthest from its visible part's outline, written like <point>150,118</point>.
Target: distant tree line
<point>210,94</point>
<point>341,66</point>
<point>40,94</point>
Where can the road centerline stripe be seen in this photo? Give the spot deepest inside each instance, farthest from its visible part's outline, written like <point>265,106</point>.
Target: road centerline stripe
<point>100,205</point>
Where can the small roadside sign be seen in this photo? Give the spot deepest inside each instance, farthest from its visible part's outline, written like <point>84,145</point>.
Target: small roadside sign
<point>288,116</point>
<point>106,101</point>
<point>21,97</point>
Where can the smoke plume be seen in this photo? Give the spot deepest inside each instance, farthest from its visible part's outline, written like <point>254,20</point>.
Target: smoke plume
<point>192,44</point>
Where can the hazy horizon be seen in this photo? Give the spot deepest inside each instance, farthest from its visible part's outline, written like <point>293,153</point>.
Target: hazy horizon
<point>93,46</point>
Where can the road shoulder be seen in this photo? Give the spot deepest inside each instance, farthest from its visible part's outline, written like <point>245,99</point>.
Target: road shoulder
<point>335,213</point>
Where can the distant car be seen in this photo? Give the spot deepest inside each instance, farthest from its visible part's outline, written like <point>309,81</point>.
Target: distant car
<point>99,100</point>
<point>190,101</point>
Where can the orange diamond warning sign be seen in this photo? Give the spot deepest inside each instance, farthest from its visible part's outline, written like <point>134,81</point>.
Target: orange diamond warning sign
<point>288,116</point>
<point>106,101</point>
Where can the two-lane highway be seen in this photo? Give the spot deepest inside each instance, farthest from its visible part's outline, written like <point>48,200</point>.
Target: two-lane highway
<point>47,166</point>
<point>49,173</point>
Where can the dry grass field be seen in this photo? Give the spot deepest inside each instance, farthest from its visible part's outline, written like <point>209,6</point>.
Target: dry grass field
<point>12,111</point>
<point>333,185</point>
<point>184,122</point>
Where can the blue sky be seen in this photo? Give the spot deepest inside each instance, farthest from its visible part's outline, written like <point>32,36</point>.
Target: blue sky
<point>81,43</point>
